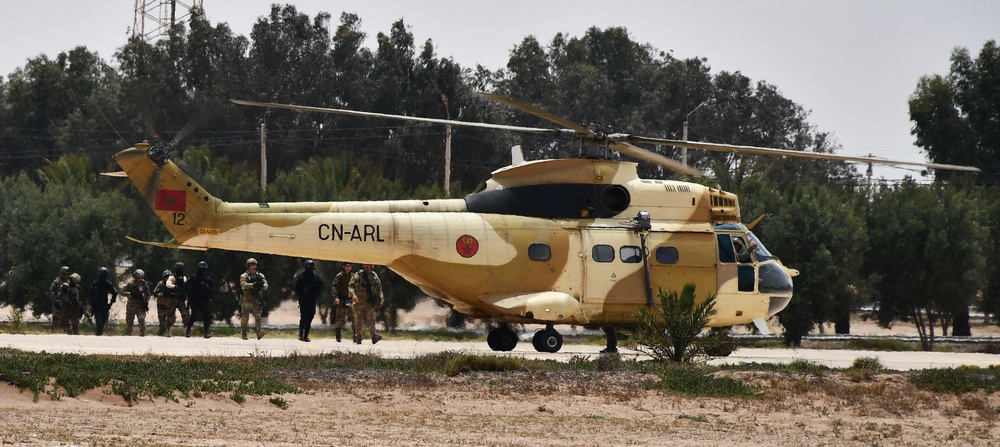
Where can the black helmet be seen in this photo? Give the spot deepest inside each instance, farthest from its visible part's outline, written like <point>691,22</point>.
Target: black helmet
<point>345,265</point>
<point>179,266</point>
<point>64,270</point>
<point>166,274</point>
<point>202,265</point>
<point>102,272</point>
<point>309,264</point>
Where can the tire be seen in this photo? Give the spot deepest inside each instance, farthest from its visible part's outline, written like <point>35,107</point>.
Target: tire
<point>547,340</point>
<point>502,339</point>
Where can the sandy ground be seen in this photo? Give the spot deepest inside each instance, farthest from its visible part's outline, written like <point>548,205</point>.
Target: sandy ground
<point>517,409</point>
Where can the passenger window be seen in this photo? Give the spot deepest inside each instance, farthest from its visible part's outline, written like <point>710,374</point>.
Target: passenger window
<point>630,254</point>
<point>726,253</point>
<point>539,252</point>
<point>603,253</point>
<point>667,255</point>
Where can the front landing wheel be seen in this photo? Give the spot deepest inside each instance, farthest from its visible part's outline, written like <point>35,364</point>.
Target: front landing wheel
<point>547,340</point>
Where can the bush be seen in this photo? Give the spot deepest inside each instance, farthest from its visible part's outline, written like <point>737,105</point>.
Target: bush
<point>672,330</point>
<point>696,382</point>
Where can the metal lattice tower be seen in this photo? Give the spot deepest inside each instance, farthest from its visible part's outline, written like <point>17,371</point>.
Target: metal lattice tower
<point>154,18</point>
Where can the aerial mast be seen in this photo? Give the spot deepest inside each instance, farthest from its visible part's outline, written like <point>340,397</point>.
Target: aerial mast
<point>155,18</point>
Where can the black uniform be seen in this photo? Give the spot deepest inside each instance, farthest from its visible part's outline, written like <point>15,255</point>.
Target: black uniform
<point>308,287</point>
<point>200,290</point>
<point>99,292</point>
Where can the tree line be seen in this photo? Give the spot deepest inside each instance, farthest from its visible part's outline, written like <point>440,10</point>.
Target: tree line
<point>917,253</point>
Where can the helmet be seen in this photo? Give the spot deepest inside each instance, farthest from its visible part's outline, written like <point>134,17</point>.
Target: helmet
<point>75,278</point>
<point>179,267</point>
<point>251,261</point>
<point>202,265</point>
<point>309,264</point>
<point>138,273</point>
<point>166,274</point>
<point>346,265</point>
<point>102,272</point>
<point>64,270</point>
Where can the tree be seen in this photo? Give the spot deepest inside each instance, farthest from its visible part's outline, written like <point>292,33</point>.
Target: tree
<point>925,256</point>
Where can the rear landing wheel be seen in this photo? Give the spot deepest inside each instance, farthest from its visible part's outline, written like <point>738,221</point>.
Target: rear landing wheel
<point>502,339</point>
<point>547,340</point>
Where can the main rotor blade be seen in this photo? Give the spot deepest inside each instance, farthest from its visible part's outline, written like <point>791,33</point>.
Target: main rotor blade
<point>579,128</point>
<point>536,130</point>
<point>789,153</point>
<point>652,157</point>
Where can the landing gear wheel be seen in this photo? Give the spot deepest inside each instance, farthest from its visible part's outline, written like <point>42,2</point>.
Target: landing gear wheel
<point>720,343</point>
<point>547,340</point>
<point>502,339</point>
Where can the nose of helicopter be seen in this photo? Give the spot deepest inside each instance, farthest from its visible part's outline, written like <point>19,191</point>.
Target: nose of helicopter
<point>775,280</point>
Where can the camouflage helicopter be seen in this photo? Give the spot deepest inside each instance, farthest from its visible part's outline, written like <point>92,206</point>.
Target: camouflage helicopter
<point>550,242</point>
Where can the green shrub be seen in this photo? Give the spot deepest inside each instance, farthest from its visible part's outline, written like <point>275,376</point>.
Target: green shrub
<point>672,330</point>
<point>466,363</point>
<point>694,381</point>
<point>963,379</point>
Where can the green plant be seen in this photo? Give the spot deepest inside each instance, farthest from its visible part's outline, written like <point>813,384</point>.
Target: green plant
<point>672,330</point>
<point>279,402</point>
<point>466,363</point>
<point>693,381</point>
<point>17,325</point>
<point>696,418</point>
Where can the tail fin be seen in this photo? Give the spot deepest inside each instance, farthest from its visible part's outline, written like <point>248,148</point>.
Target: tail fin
<point>183,206</point>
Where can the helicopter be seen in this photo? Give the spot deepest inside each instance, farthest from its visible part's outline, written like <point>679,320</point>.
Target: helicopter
<point>580,241</point>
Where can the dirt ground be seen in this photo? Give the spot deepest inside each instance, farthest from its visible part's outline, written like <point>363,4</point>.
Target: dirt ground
<point>516,409</point>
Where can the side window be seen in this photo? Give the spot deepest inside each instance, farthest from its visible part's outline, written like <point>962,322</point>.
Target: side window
<point>726,253</point>
<point>539,252</point>
<point>667,255</point>
<point>630,254</point>
<point>742,249</point>
<point>603,253</point>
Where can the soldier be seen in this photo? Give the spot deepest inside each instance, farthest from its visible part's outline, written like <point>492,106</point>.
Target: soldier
<point>199,292</point>
<point>162,303</point>
<point>69,295</point>
<point>137,291</point>
<point>308,287</point>
<point>176,290</point>
<point>100,290</point>
<point>54,291</point>
<point>253,285</point>
<point>366,294</point>
<point>342,299</point>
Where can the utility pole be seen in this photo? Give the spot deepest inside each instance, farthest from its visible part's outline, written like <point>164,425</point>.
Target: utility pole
<point>684,150</point>
<point>154,18</point>
<point>263,156</point>
<point>447,148</point>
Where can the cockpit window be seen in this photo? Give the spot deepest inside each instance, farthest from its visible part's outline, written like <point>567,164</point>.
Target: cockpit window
<point>726,253</point>
<point>742,249</point>
<point>759,252</point>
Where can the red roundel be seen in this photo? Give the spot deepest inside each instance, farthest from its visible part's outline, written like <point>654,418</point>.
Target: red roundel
<point>467,246</point>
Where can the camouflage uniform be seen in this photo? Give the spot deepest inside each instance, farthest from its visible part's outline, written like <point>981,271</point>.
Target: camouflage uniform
<point>174,288</point>
<point>54,291</point>
<point>342,301</point>
<point>366,293</point>
<point>253,286</point>
<point>69,295</point>
<point>137,291</point>
<point>162,304</point>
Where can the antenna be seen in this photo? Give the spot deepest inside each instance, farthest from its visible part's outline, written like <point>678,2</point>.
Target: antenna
<point>155,18</point>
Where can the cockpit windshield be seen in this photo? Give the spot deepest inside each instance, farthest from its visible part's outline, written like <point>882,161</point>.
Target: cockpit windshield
<point>759,252</point>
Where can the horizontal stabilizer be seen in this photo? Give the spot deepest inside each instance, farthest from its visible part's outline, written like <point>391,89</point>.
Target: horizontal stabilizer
<point>119,174</point>
<point>170,244</point>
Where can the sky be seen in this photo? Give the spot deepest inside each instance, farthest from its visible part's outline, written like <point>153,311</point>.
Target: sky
<point>853,64</point>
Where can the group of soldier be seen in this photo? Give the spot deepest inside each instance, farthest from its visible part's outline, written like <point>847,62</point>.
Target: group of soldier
<point>359,294</point>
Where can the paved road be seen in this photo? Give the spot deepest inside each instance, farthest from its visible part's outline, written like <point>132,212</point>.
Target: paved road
<point>234,347</point>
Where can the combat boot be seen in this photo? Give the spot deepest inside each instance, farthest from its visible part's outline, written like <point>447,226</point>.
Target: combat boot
<point>169,331</point>
<point>260,335</point>
<point>142,331</point>
<point>338,335</point>
<point>208,335</point>
<point>244,336</point>
<point>376,338</point>
<point>187,332</point>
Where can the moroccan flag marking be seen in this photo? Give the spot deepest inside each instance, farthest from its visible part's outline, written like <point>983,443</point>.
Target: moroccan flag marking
<point>170,200</point>
<point>467,246</point>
